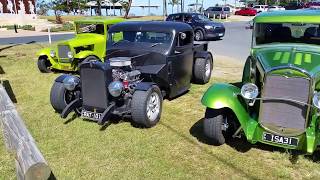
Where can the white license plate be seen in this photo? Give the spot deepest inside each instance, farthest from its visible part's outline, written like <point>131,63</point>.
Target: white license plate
<point>291,141</point>
<point>90,115</point>
<point>221,34</point>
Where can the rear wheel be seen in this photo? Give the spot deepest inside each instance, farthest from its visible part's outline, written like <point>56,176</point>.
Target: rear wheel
<point>202,70</point>
<point>44,65</point>
<point>60,97</point>
<point>146,107</point>
<point>198,35</point>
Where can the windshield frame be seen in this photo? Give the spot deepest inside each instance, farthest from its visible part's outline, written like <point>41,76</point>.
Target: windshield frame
<point>253,38</point>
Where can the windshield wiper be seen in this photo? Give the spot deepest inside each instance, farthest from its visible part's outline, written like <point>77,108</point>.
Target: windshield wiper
<point>155,44</point>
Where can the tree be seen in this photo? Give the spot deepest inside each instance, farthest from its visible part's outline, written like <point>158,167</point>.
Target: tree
<point>113,3</point>
<point>173,3</point>
<point>42,8</point>
<point>165,11</point>
<point>99,8</point>
<point>126,5</point>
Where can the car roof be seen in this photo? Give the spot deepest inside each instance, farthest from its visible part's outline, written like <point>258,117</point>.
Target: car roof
<point>156,26</point>
<point>185,14</point>
<point>102,20</point>
<point>289,16</point>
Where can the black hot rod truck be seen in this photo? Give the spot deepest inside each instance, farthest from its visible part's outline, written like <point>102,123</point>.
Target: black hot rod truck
<point>145,62</point>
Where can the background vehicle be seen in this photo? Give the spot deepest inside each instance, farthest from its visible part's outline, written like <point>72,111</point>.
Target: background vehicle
<point>89,43</point>
<point>260,8</point>
<point>276,8</point>
<point>218,11</point>
<point>279,100</point>
<point>294,5</point>
<point>313,5</point>
<point>203,27</point>
<point>246,12</point>
<point>152,61</point>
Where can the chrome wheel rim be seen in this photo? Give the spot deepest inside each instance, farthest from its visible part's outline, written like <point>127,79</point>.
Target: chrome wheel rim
<point>153,106</point>
<point>208,69</point>
<point>197,35</point>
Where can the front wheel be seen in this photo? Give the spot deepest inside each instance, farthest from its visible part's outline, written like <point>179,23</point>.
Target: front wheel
<point>60,97</point>
<point>198,35</point>
<point>146,107</point>
<point>202,70</point>
<point>44,65</point>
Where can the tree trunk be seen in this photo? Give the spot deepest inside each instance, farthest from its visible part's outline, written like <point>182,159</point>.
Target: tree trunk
<point>128,9</point>
<point>114,10</point>
<point>165,8</point>
<point>99,8</point>
<point>30,164</point>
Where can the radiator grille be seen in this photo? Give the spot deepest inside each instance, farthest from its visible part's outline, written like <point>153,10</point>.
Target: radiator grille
<point>278,113</point>
<point>94,90</point>
<point>63,53</point>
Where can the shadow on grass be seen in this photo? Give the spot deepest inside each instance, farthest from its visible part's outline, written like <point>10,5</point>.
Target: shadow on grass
<point>13,45</point>
<point>208,152</point>
<point>1,70</point>
<point>8,88</point>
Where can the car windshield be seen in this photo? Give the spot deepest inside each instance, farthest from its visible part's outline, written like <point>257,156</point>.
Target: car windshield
<point>265,33</point>
<point>200,17</point>
<point>143,38</point>
<point>90,28</point>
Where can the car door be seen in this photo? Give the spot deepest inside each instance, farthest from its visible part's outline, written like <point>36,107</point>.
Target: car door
<point>180,63</point>
<point>187,18</point>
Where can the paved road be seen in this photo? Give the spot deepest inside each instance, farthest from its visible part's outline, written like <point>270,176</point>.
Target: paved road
<point>29,39</point>
<point>235,44</point>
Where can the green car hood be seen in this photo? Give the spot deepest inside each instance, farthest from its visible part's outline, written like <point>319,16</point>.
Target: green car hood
<point>84,39</point>
<point>302,56</point>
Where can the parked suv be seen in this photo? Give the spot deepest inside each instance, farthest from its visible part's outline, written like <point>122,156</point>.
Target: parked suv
<point>260,8</point>
<point>203,27</point>
<point>218,11</point>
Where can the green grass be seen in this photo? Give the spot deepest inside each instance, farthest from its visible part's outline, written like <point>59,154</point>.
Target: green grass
<point>174,149</point>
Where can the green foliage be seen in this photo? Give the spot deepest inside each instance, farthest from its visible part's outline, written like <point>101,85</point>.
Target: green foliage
<point>126,5</point>
<point>65,27</point>
<point>42,8</point>
<point>24,27</point>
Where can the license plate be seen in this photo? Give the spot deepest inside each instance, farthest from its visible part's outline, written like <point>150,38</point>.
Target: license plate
<point>90,115</point>
<point>221,34</point>
<point>280,139</point>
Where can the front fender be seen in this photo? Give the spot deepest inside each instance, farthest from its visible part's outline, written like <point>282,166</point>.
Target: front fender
<point>46,53</point>
<point>222,95</point>
<point>85,54</point>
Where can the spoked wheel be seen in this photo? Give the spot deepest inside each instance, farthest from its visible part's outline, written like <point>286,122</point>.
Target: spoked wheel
<point>60,97</point>
<point>146,106</point>
<point>218,126</point>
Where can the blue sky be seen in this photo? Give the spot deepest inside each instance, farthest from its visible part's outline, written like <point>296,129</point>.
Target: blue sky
<point>158,11</point>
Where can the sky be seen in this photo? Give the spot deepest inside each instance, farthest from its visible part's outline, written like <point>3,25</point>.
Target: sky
<point>158,11</point>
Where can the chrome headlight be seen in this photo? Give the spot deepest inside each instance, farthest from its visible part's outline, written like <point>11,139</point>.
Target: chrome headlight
<point>316,99</point>
<point>208,27</point>
<point>70,54</point>
<point>71,82</point>
<point>52,53</point>
<point>115,88</point>
<point>249,91</point>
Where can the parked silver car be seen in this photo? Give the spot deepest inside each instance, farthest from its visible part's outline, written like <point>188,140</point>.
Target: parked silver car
<point>218,11</point>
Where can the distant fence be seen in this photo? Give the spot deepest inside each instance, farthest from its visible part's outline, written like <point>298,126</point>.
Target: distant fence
<point>30,164</point>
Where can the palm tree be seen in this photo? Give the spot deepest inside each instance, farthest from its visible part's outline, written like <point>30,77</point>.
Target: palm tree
<point>113,3</point>
<point>99,7</point>
<point>173,3</point>
<point>165,13</point>
<point>126,5</point>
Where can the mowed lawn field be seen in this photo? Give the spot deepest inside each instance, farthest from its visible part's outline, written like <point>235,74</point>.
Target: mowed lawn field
<point>174,149</point>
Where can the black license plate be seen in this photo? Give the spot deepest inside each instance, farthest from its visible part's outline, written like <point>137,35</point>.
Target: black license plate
<point>90,115</point>
<point>280,139</point>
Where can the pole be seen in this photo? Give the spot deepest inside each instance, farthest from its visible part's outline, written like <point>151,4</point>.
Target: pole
<point>182,6</point>
<point>165,8</point>
<point>49,34</point>
<point>15,7</point>
<point>149,7</point>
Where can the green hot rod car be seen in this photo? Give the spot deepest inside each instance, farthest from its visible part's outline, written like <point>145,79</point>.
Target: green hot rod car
<point>279,101</point>
<point>89,43</point>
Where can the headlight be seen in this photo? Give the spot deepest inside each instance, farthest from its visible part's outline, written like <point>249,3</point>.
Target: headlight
<point>316,100</point>
<point>71,82</point>
<point>52,53</point>
<point>115,88</point>
<point>249,91</point>
<point>70,54</point>
<point>208,27</point>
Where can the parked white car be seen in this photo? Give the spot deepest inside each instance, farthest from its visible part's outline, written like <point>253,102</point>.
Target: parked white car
<point>260,8</point>
<point>276,8</point>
